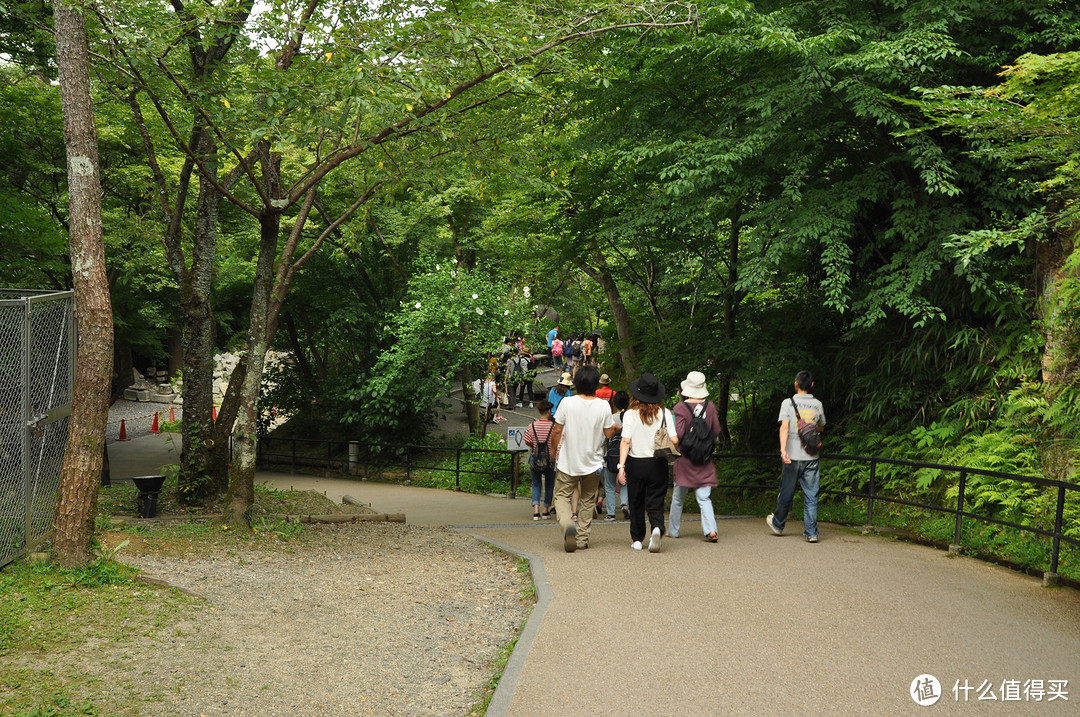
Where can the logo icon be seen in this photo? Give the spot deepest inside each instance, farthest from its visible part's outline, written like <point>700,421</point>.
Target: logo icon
<point>925,690</point>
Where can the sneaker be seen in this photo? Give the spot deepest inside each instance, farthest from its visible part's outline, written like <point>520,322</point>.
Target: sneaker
<point>520,405</point>
<point>536,516</point>
<point>636,545</point>
<point>500,419</point>
<point>772,527</point>
<point>625,512</point>
<point>570,539</point>
<point>609,518</point>
<point>812,539</point>
<point>530,404</point>
<point>654,541</point>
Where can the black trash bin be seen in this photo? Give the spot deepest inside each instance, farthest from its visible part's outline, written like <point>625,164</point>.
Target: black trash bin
<point>149,490</point>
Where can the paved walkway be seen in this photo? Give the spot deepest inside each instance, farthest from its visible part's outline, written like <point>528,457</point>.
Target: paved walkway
<point>754,624</point>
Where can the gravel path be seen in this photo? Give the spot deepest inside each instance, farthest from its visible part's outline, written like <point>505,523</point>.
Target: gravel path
<point>367,619</point>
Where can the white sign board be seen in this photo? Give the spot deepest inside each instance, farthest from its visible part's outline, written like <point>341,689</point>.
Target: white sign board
<point>515,439</point>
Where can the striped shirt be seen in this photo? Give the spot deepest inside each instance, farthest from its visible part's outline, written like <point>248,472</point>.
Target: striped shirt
<point>538,432</point>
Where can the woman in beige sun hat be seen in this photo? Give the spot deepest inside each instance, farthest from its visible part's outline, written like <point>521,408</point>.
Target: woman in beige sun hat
<point>689,476</point>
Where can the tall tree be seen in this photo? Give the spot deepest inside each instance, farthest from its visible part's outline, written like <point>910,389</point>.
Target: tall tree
<point>81,470</point>
<point>389,77</point>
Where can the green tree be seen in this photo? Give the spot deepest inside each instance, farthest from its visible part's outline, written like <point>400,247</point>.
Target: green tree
<point>83,458</point>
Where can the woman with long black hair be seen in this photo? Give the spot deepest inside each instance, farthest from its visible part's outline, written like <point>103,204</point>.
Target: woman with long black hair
<point>644,474</point>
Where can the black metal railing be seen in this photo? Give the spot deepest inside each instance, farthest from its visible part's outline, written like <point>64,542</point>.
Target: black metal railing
<point>350,457</point>
<point>871,495</point>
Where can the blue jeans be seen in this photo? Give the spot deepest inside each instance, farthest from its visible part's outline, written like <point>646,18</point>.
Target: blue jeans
<point>614,497</point>
<point>704,500</point>
<point>808,474</point>
<point>548,486</point>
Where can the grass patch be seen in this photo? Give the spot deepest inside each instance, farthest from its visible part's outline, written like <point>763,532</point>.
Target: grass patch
<point>52,620</point>
<point>120,499</point>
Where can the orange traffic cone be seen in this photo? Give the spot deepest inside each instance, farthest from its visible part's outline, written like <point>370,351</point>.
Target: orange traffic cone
<point>215,413</point>
<point>123,431</point>
<point>172,415</point>
<point>154,428</point>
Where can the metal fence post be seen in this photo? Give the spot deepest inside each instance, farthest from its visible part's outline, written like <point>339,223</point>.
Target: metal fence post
<point>870,499</point>
<point>408,466</point>
<point>1051,579</point>
<point>24,426</point>
<point>515,468</point>
<point>457,471</point>
<point>955,547</point>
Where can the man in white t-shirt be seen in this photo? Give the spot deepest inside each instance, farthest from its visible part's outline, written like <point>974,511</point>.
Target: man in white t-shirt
<point>582,422</point>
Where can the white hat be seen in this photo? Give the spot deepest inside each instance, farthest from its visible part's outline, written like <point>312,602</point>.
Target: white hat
<point>565,380</point>
<point>694,385</point>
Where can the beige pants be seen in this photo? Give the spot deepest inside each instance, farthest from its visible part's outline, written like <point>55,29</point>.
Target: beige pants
<point>564,491</point>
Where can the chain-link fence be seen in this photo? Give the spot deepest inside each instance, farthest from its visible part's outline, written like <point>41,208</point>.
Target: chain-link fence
<point>37,370</point>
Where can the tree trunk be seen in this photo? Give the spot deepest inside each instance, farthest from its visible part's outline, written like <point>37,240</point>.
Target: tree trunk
<point>1059,364</point>
<point>241,493</point>
<point>730,308</point>
<point>124,364</point>
<point>176,351</point>
<point>83,459</point>
<point>472,404</point>
<point>196,283</point>
<point>220,451</point>
<point>602,275</point>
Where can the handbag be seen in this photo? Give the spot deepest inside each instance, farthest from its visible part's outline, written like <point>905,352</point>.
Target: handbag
<point>663,447</point>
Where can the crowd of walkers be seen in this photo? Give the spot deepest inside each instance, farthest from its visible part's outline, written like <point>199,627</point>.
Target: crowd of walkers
<point>512,371</point>
<point>595,451</point>
<point>587,433</point>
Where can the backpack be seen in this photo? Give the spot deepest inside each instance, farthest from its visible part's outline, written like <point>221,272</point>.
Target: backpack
<point>541,458</point>
<point>611,457</point>
<point>579,351</point>
<point>809,435</point>
<point>699,441</point>
<point>530,362</point>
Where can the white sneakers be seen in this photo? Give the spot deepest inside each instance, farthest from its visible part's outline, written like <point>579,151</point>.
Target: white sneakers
<point>772,527</point>
<point>654,541</point>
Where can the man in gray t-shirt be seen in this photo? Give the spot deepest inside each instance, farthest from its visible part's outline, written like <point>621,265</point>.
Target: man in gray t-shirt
<point>799,467</point>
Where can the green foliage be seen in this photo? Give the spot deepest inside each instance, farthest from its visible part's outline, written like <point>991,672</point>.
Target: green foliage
<point>452,319</point>
<point>279,527</point>
<point>481,473</point>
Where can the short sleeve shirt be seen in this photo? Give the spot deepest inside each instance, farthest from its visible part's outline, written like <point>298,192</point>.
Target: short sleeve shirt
<point>643,436</point>
<point>582,448</point>
<point>810,409</point>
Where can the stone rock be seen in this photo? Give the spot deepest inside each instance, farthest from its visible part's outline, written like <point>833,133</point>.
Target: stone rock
<point>131,394</point>
<point>144,394</point>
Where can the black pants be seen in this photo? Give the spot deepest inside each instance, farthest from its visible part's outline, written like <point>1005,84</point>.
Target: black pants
<point>646,487</point>
<point>522,388</point>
